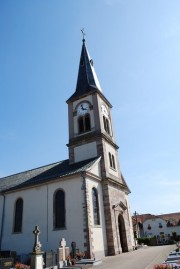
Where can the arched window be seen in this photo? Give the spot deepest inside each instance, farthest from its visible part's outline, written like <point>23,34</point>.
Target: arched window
<point>18,215</point>
<point>87,123</point>
<point>106,124</point>
<point>84,123</point>
<point>95,206</point>
<point>112,161</point>
<point>104,121</point>
<point>81,125</point>
<point>59,210</point>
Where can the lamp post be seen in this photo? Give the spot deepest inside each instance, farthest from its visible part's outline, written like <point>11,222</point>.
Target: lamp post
<point>136,232</point>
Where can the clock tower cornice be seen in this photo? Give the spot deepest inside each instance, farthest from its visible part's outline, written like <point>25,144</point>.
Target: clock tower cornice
<point>92,92</point>
<point>90,137</point>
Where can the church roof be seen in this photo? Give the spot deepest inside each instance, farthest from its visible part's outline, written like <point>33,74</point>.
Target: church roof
<point>44,174</point>
<point>87,80</point>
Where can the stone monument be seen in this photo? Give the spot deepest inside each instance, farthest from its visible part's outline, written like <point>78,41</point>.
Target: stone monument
<point>37,254</point>
<point>73,252</point>
<point>63,253</point>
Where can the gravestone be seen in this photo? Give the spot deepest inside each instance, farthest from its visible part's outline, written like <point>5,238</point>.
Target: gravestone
<point>37,254</point>
<point>73,252</point>
<point>37,244</point>
<point>6,263</point>
<point>63,245</point>
<point>49,258</point>
<point>67,253</point>
<point>63,253</point>
<point>7,254</point>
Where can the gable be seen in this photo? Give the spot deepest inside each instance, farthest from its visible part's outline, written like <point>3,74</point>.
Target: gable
<point>95,169</point>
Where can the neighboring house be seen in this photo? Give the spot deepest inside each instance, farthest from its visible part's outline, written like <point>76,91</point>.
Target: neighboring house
<point>137,226</point>
<point>84,198</point>
<point>164,227</point>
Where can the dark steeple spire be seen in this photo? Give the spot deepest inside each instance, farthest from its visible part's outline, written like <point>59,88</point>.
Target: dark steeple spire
<point>86,76</point>
<point>87,80</point>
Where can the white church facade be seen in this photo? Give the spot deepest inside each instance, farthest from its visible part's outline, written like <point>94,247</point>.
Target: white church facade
<point>82,199</point>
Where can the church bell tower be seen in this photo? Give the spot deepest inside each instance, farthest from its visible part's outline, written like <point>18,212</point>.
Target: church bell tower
<point>91,132</point>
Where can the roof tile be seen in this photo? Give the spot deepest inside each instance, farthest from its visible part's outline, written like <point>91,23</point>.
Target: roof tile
<point>44,174</point>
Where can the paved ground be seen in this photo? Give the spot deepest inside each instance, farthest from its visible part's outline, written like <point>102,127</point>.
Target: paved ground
<point>143,258</point>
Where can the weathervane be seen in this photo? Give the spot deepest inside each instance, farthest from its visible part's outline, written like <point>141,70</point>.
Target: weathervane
<point>83,33</point>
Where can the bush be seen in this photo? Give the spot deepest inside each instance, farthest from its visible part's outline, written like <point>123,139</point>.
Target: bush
<point>143,240</point>
<point>149,241</point>
<point>171,242</point>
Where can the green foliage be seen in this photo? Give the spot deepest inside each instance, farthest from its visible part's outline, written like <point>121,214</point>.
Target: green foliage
<point>149,241</point>
<point>143,240</point>
<point>171,242</point>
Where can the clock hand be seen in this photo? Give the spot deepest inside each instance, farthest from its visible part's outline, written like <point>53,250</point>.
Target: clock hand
<point>83,108</point>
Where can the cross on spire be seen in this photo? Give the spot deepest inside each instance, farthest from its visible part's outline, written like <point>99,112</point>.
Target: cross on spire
<point>83,34</point>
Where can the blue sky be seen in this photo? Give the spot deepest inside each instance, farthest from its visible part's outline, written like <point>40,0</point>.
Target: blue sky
<point>135,47</point>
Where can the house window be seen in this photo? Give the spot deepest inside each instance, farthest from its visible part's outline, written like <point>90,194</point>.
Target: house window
<point>95,206</point>
<point>106,124</point>
<point>160,225</point>
<point>84,123</point>
<point>59,209</point>
<point>112,161</point>
<point>149,227</point>
<point>18,215</point>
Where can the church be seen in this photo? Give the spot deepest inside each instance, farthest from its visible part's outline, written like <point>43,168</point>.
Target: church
<point>83,199</point>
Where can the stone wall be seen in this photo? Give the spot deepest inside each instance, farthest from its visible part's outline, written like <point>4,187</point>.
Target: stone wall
<point>117,211</point>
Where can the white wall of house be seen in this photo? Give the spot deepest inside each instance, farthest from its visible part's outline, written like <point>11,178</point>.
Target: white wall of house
<point>155,230</point>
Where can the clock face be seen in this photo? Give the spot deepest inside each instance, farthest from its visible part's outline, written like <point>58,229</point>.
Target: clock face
<point>83,108</point>
<point>104,110</point>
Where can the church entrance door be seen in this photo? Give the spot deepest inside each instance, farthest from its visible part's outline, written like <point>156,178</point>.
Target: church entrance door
<point>122,233</point>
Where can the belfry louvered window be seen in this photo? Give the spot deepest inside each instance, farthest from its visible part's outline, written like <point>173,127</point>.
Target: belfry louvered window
<point>18,216</point>
<point>106,125</point>
<point>95,201</point>
<point>59,209</point>
<point>112,161</point>
<point>84,123</point>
